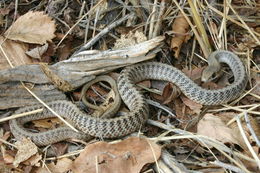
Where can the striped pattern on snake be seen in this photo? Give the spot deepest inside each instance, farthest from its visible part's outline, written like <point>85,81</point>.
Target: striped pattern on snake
<point>134,100</point>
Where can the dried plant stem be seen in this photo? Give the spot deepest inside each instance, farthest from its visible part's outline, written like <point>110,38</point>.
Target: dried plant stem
<point>245,25</point>
<point>154,156</point>
<point>52,111</point>
<point>152,21</point>
<point>241,114</point>
<point>6,57</point>
<point>251,129</point>
<point>242,110</point>
<point>243,95</point>
<point>73,153</point>
<point>247,142</point>
<point>200,41</point>
<point>7,143</point>
<point>103,32</point>
<point>90,11</point>
<point>227,166</point>
<point>229,18</point>
<point>159,20</point>
<point>20,115</point>
<point>198,23</point>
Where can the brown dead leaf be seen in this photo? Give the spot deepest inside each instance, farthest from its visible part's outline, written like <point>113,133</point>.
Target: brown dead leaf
<point>34,160</point>
<point>37,52</point>
<point>195,107</point>
<point>180,28</point>
<point>8,158</point>
<point>193,74</point>
<point>15,52</point>
<point>63,165</point>
<point>169,93</point>
<point>4,136</point>
<point>129,155</point>
<point>46,123</point>
<point>32,27</point>
<point>26,149</point>
<point>214,127</point>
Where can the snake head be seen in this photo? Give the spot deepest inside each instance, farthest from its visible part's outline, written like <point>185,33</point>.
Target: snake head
<point>210,72</point>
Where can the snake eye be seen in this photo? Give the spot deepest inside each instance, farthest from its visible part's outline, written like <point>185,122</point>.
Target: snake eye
<point>214,75</point>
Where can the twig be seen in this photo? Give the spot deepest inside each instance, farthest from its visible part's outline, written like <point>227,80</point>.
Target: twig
<point>7,143</point>
<point>248,124</point>
<point>198,22</point>
<point>79,22</point>
<point>20,115</point>
<point>227,166</point>
<point>247,142</point>
<point>197,35</point>
<point>246,26</point>
<point>242,110</point>
<point>152,20</point>
<point>229,18</point>
<point>82,9</point>
<point>243,95</point>
<point>73,153</point>
<point>103,32</point>
<point>52,111</point>
<point>154,156</point>
<point>158,105</point>
<point>159,19</point>
<point>185,134</point>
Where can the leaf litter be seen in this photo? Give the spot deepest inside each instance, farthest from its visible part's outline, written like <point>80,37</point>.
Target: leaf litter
<point>132,154</point>
<point>129,155</point>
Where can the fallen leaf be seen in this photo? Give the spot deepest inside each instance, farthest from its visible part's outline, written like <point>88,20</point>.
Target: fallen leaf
<point>32,27</point>
<point>169,92</point>
<point>5,136</point>
<point>8,158</point>
<point>195,107</point>
<point>194,74</point>
<point>65,50</point>
<point>46,123</point>
<point>37,52</point>
<point>15,52</point>
<point>62,165</point>
<point>129,155</point>
<point>26,149</point>
<point>59,148</point>
<point>129,39</point>
<point>213,127</point>
<point>180,28</point>
<point>34,160</point>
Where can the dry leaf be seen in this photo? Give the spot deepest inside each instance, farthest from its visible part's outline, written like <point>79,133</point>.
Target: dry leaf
<point>63,165</point>
<point>37,52</point>
<point>32,27</point>
<point>193,74</point>
<point>195,107</point>
<point>15,52</point>
<point>6,156</point>
<point>34,160</point>
<point>129,156</point>
<point>26,149</point>
<point>212,126</point>
<point>180,28</point>
<point>46,123</point>
<point>130,39</point>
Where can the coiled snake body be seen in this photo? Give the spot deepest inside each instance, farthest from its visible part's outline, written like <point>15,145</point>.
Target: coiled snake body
<point>121,126</point>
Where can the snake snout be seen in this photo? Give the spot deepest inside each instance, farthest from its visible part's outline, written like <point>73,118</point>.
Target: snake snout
<point>207,74</point>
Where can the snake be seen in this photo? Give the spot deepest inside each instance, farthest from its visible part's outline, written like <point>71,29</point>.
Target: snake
<point>110,128</point>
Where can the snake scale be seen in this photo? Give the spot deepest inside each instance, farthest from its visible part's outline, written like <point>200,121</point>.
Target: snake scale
<point>134,100</point>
